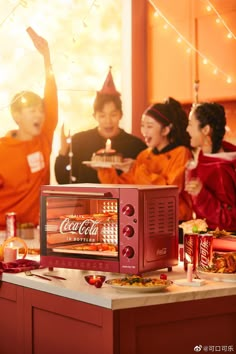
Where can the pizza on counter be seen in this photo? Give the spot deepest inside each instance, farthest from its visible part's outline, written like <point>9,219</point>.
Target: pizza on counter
<point>222,263</point>
<point>137,281</point>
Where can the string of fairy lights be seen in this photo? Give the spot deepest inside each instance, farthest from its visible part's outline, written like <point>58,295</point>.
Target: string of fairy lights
<point>220,20</point>
<point>190,46</point>
<point>157,12</point>
<point>22,3</point>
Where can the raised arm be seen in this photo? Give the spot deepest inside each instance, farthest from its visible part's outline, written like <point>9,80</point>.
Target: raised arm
<point>42,46</point>
<point>50,91</point>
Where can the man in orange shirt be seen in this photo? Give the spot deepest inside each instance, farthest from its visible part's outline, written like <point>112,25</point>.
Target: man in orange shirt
<point>25,152</point>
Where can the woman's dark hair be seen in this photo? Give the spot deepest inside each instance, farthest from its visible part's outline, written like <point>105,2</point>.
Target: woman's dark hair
<point>101,99</point>
<point>171,113</point>
<point>212,114</point>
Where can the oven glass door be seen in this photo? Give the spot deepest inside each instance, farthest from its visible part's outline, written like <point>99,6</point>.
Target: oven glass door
<point>73,226</point>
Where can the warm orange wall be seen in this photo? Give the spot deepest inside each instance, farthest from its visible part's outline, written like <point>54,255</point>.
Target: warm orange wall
<point>171,71</point>
<point>161,67</point>
<point>214,43</point>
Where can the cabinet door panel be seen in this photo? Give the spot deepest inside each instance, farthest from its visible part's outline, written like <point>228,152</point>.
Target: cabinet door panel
<point>178,327</point>
<point>60,325</point>
<point>11,319</point>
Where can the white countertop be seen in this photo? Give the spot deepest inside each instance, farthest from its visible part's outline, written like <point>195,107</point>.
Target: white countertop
<point>76,288</point>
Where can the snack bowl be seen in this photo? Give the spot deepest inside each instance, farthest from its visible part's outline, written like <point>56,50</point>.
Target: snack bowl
<point>95,279</point>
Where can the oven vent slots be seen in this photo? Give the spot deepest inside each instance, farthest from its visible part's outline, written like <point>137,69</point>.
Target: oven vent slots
<point>161,214</point>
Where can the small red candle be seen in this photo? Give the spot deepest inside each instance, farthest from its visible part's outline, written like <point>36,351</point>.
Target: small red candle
<point>93,279</point>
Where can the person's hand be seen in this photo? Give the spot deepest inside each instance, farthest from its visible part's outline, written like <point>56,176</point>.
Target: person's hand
<point>64,142</point>
<point>124,166</point>
<point>39,42</point>
<point>193,186</point>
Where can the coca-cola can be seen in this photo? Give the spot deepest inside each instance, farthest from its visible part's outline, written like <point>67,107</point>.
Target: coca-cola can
<point>11,225</point>
<point>205,242</point>
<point>190,250</point>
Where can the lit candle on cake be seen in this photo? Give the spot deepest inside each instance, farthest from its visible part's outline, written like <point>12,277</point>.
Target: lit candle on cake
<point>108,145</point>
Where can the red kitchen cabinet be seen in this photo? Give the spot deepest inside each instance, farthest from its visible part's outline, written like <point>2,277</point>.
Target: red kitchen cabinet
<point>37,322</point>
<point>179,327</point>
<point>11,319</point>
<point>57,325</point>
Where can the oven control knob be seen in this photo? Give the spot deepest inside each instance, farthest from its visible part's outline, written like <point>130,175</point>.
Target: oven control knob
<point>128,252</point>
<point>128,231</point>
<point>128,210</point>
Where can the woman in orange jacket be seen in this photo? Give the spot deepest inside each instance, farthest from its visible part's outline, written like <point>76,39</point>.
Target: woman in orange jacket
<point>163,126</point>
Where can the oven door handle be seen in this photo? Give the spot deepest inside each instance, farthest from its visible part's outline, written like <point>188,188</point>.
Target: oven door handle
<point>89,194</point>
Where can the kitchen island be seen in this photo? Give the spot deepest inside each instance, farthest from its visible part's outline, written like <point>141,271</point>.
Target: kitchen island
<point>71,316</point>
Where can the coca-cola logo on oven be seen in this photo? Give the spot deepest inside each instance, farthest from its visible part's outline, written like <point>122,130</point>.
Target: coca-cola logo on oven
<point>87,227</point>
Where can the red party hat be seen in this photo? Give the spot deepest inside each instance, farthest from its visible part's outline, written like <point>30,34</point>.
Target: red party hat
<point>109,87</point>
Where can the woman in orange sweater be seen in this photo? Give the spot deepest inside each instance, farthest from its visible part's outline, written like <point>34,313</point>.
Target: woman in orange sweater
<point>163,162</point>
<point>25,152</point>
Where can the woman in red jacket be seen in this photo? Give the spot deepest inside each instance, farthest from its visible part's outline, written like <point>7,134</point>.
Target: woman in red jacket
<point>163,126</point>
<point>213,183</point>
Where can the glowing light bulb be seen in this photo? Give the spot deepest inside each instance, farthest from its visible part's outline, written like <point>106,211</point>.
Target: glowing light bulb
<point>179,40</point>
<point>229,80</point>
<point>217,20</point>
<point>229,35</point>
<point>156,14</point>
<point>205,61</point>
<point>208,8</point>
<point>165,26</point>
<point>188,50</point>
<point>23,3</point>
<point>215,71</point>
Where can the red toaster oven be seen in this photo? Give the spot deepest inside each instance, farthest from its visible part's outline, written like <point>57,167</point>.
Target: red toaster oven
<point>112,228</point>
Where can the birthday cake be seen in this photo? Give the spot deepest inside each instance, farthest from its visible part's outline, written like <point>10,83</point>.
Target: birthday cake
<point>107,156</point>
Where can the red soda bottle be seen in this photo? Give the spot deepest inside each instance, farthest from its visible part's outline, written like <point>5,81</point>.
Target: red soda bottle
<point>11,225</point>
